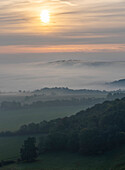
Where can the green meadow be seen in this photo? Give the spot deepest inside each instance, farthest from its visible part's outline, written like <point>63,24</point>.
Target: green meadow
<point>114,160</point>
<point>10,147</point>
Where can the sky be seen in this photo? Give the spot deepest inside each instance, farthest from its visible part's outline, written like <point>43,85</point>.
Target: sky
<point>89,31</point>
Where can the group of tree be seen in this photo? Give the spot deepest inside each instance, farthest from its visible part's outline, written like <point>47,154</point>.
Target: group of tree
<point>28,151</point>
<point>116,95</point>
<point>85,102</point>
<point>67,91</point>
<point>94,131</point>
<point>87,141</point>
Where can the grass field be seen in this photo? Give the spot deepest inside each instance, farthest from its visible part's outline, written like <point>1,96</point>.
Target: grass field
<point>13,119</point>
<point>10,147</point>
<point>114,160</point>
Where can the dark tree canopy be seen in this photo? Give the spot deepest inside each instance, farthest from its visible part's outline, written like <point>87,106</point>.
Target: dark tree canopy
<point>28,152</point>
<point>92,131</point>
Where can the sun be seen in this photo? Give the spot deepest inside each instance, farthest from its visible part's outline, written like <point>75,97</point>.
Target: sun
<point>45,16</point>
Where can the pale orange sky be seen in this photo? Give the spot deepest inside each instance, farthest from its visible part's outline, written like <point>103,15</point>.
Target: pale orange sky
<point>72,25</point>
<point>63,48</point>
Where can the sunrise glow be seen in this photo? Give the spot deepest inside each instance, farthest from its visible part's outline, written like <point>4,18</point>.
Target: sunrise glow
<point>45,16</point>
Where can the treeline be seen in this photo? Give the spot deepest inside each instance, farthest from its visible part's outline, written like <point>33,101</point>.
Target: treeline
<point>116,95</point>
<point>86,141</point>
<point>6,105</point>
<point>63,90</point>
<point>93,131</point>
<point>85,102</point>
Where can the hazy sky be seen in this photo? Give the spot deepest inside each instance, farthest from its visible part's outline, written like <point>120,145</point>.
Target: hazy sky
<point>85,30</point>
<point>75,25</point>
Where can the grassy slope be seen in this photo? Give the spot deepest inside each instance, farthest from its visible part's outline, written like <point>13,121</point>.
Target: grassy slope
<point>114,160</point>
<point>10,146</point>
<point>13,119</point>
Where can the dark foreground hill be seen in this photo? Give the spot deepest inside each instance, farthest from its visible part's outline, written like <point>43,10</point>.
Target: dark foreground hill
<point>108,115</point>
<point>94,131</point>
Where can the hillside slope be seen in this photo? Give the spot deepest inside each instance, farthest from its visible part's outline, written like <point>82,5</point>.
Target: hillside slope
<point>101,116</point>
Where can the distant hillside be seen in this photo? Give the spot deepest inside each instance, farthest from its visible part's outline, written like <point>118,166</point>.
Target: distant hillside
<point>82,63</point>
<point>50,94</point>
<point>67,91</point>
<point>105,115</point>
<point>118,83</point>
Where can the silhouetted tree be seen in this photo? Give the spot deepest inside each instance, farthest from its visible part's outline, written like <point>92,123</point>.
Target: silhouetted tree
<point>28,152</point>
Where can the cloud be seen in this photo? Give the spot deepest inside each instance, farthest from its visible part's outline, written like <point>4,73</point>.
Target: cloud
<point>90,48</point>
<point>79,64</point>
<point>68,73</point>
<point>67,2</point>
<point>90,22</point>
